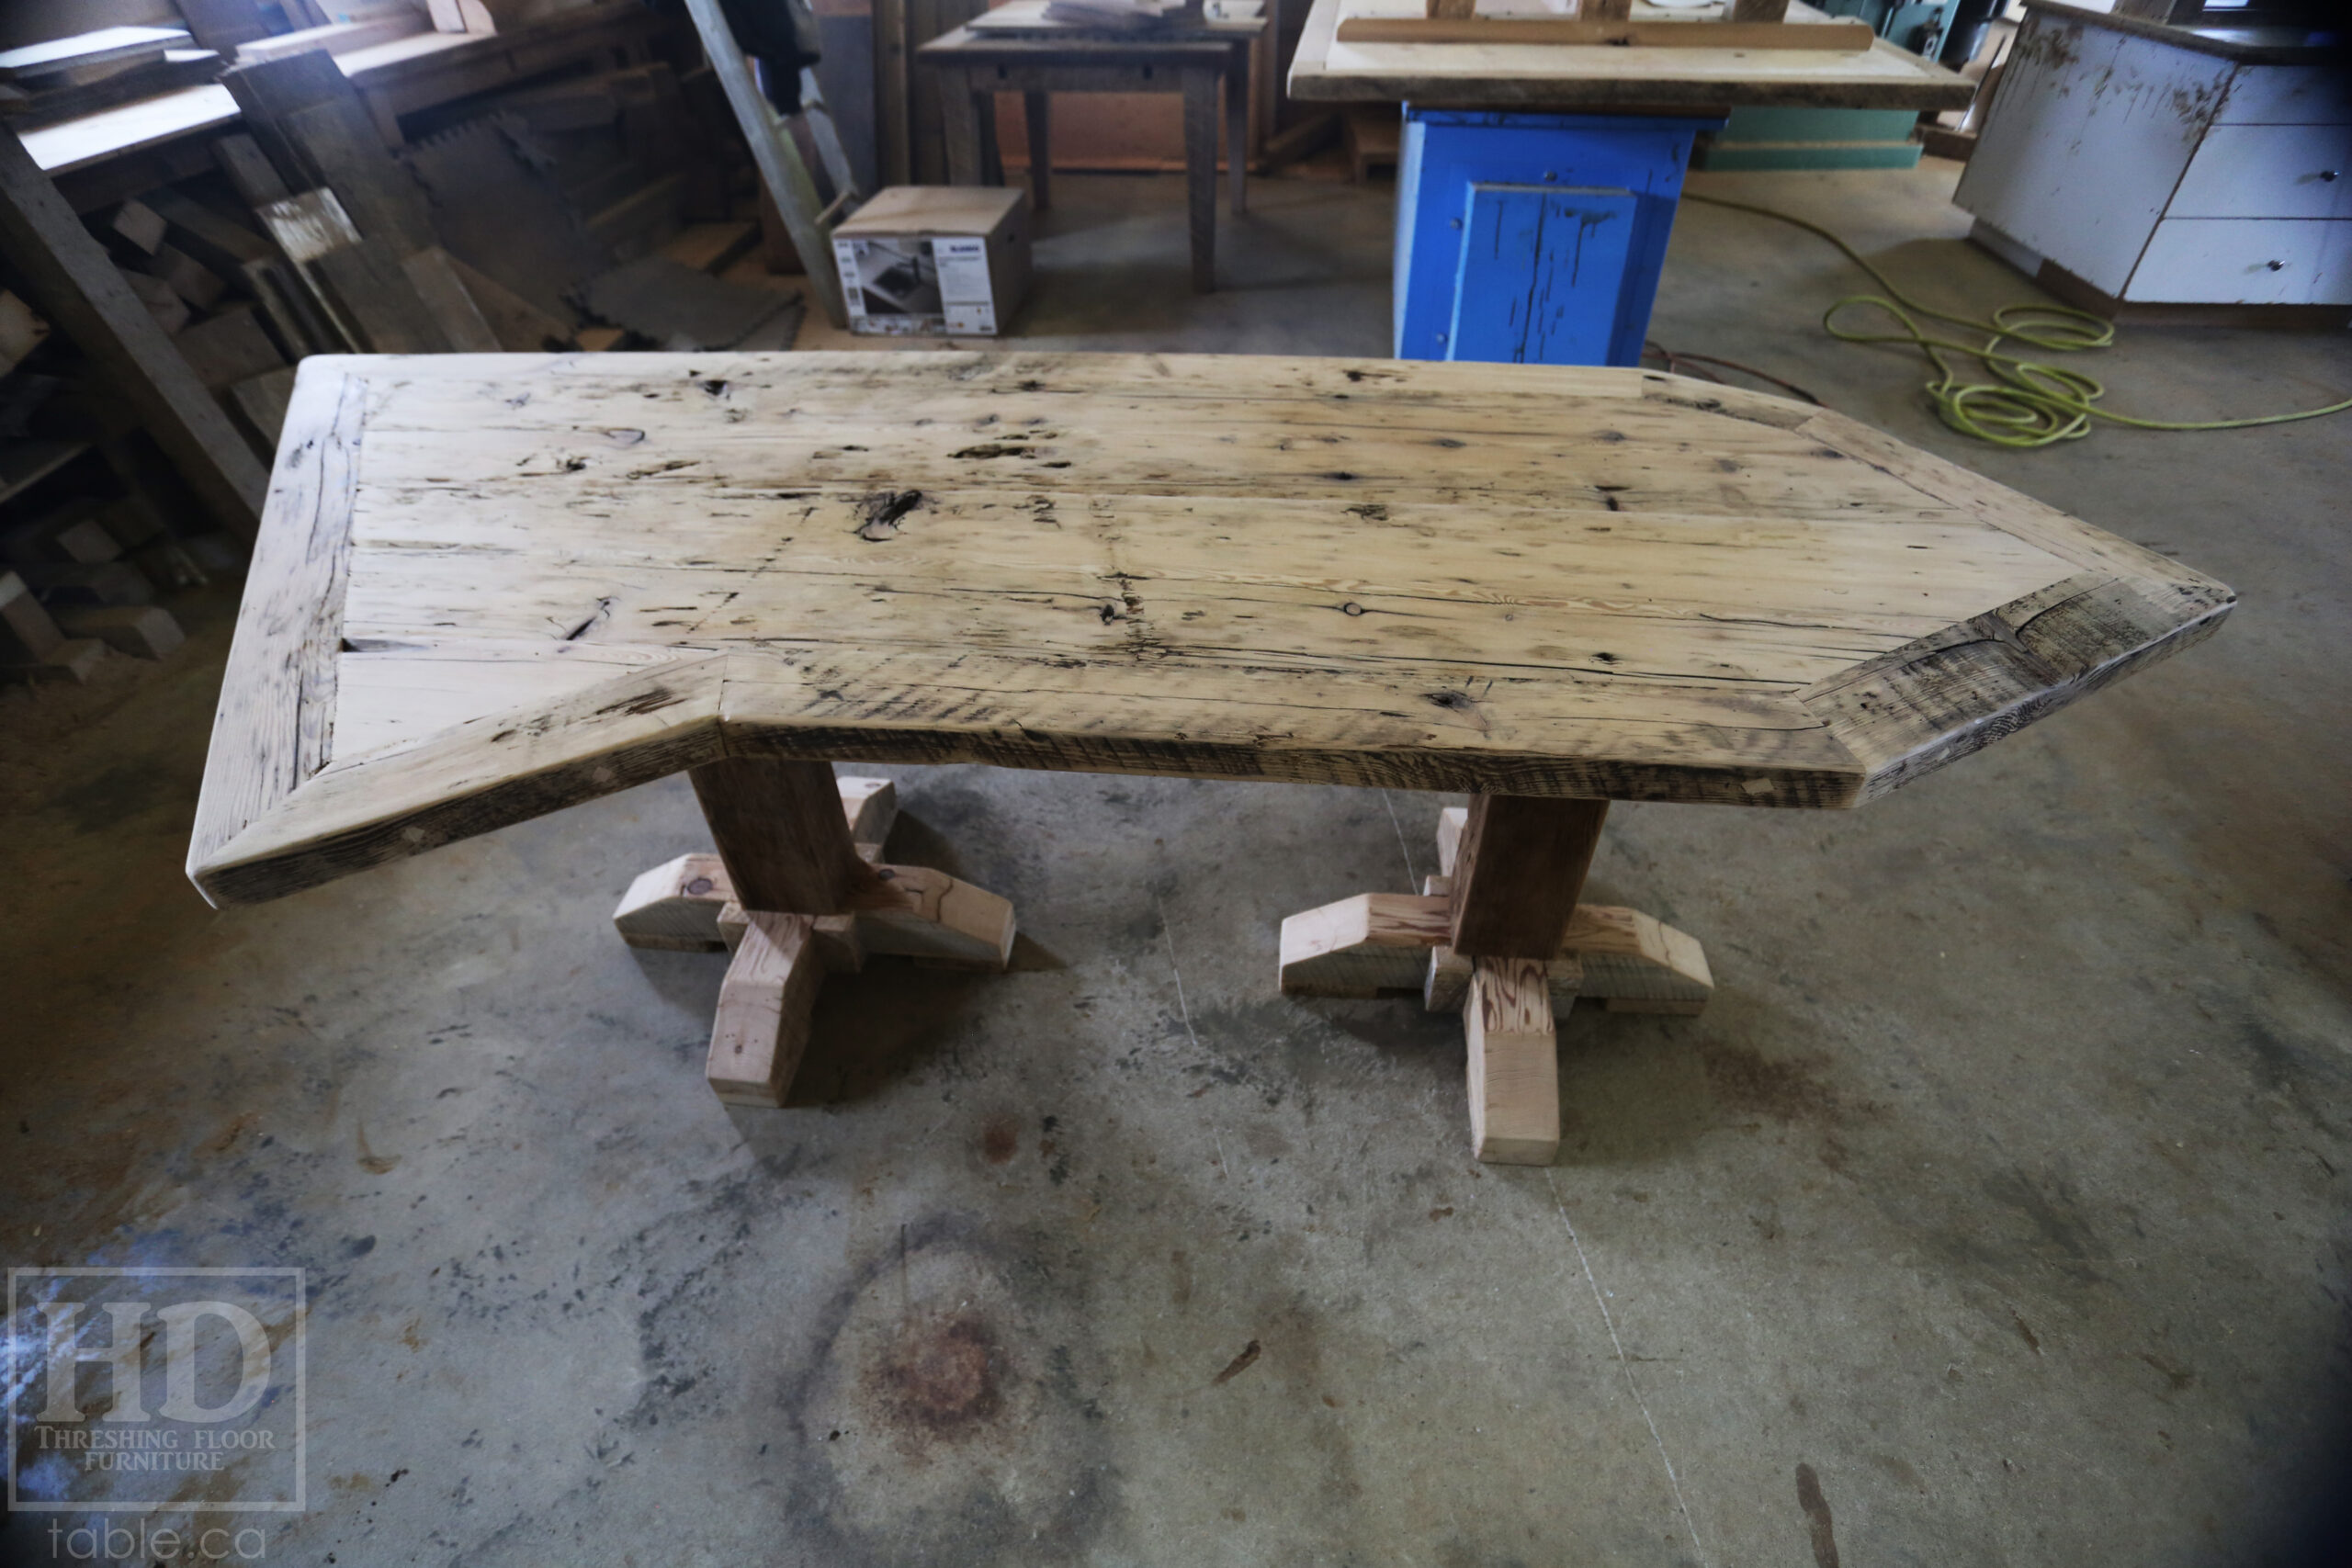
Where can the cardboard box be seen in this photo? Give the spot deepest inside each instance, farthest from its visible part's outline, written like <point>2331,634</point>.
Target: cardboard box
<point>935,259</point>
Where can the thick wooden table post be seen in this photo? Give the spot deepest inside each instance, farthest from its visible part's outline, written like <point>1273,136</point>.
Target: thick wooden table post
<point>1517,876</point>
<point>1200,171</point>
<point>1039,108</point>
<point>779,830</point>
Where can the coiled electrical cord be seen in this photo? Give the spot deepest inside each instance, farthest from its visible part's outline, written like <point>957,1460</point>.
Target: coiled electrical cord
<point>2032,403</point>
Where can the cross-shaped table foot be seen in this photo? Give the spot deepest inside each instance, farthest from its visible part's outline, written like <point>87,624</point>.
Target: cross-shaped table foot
<point>790,847</point>
<point>1534,855</point>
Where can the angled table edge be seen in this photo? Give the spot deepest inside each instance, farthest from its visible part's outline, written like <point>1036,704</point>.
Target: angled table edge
<point>278,813</point>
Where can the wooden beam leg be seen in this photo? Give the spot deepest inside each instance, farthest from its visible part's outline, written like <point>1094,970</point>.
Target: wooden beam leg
<point>959,116</point>
<point>1514,1066</point>
<point>761,1026</point>
<point>1039,107</point>
<point>1236,130</point>
<point>1200,171</point>
<point>779,828</point>
<point>1521,864</point>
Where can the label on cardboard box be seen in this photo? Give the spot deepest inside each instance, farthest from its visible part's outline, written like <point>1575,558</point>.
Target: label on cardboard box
<point>915,284</point>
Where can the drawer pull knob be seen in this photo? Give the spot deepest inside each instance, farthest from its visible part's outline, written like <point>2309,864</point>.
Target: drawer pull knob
<point>2329,176</point>
<point>2276,266</point>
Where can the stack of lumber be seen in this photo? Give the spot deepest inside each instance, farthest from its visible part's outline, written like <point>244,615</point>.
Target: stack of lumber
<point>64,78</point>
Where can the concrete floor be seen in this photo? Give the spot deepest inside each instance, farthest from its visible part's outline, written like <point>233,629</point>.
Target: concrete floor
<point>1994,1214</point>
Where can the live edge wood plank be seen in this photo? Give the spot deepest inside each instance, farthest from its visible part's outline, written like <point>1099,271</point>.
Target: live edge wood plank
<point>490,586</point>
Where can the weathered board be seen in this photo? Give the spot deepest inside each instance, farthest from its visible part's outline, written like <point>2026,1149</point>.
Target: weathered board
<point>490,586</point>
<point>1355,50</point>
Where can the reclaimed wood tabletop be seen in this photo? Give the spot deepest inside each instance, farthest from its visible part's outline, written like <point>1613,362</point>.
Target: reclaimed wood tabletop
<point>1520,75</point>
<point>491,586</point>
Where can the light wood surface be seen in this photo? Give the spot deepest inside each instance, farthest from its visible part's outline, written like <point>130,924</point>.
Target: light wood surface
<point>1579,32</point>
<point>1537,76</point>
<point>1514,1064</point>
<point>489,586</point>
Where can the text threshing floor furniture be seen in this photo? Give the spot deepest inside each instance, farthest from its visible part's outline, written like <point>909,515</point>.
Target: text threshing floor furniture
<point>490,586</point>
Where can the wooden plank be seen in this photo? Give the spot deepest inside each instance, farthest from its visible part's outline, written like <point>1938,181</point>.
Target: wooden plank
<point>929,915</point>
<point>337,38</point>
<point>365,288</point>
<point>309,119</point>
<point>676,904</point>
<point>1516,75</point>
<point>432,273</point>
<point>1200,173</point>
<point>519,326</point>
<point>33,61</point>
<point>778,827</point>
<point>270,731</point>
<point>69,279</point>
<point>262,401</point>
<point>1759,10</point>
<point>1833,38</point>
<point>229,346</point>
<point>675,907</point>
<point>1518,868</point>
<point>761,1026</point>
<point>1514,1067</point>
<point>1371,944</point>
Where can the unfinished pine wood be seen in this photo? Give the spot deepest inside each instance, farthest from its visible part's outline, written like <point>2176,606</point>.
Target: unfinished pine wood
<point>1644,70</point>
<point>1514,1067</point>
<point>1378,944</point>
<point>1525,579</point>
<point>1598,31</point>
<point>922,913</point>
<point>1520,864</point>
<point>761,1030</point>
<point>675,905</point>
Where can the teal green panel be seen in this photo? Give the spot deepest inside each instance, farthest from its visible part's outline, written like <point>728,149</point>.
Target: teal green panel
<point>1818,125</point>
<point>1810,155</point>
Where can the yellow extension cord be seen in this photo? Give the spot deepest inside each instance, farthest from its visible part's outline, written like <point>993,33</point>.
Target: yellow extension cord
<point>2032,403</point>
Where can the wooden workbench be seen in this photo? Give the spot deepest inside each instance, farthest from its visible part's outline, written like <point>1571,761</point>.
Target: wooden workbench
<point>490,586</point>
<point>1554,77</point>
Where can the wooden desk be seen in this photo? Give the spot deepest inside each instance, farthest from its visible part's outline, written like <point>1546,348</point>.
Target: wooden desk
<point>490,586</point>
<point>972,65</point>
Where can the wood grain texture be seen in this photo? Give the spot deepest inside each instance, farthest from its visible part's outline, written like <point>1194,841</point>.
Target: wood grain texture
<point>524,579</point>
<point>1641,73</point>
<point>1519,866</point>
<point>761,1030</point>
<point>778,827</point>
<point>1514,1065</point>
<point>1579,32</point>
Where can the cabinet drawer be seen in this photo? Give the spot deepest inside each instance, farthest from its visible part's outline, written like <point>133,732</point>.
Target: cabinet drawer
<point>2289,94</point>
<point>2245,261</point>
<point>2268,171</point>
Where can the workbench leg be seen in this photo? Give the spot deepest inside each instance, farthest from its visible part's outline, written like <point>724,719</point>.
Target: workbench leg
<point>959,114</point>
<point>1039,108</point>
<point>1236,130</point>
<point>1509,867</point>
<point>1200,171</point>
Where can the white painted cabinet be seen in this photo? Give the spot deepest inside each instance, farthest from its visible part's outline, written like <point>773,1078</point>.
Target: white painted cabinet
<point>2146,165</point>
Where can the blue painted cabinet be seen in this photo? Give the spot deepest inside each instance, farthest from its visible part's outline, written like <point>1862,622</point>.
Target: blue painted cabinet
<point>1533,238</point>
